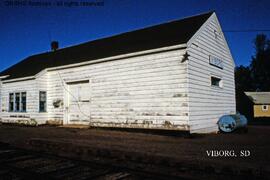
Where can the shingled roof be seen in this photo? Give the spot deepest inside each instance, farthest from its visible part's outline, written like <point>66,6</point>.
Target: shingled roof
<point>162,35</point>
<point>259,97</point>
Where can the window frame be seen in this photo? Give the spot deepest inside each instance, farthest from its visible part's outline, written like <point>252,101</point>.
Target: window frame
<point>9,102</point>
<point>45,102</point>
<point>220,82</point>
<point>17,103</point>
<point>265,109</point>
<point>23,103</point>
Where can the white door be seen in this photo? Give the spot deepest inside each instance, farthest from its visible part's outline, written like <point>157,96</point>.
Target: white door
<point>79,103</point>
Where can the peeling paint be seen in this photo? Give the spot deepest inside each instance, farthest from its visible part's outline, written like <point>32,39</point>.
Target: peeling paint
<point>54,122</point>
<point>180,95</point>
<point>27,122</point>
<point>148,114</point>
<point>167,124</point>
<point>147,122</point>
<point>144,124</point>
<point>177,95</point>
<point>184,104</point>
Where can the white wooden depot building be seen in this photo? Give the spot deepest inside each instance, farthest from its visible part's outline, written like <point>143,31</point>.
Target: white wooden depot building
<point>177,75</point>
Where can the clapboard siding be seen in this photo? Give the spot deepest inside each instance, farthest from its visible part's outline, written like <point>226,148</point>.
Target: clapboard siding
<point>28,86</point>
<point>206,103</point>
<point>1,101</point>
<point>32,88</point>
<point>41,84</point>
<point>152,90</point>
<point>148,90</point>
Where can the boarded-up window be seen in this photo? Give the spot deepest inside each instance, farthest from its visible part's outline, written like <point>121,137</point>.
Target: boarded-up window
<point>42,101</point>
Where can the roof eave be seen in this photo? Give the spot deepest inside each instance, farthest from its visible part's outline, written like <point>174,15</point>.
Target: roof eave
<point>3,77</point>
<point>169,48</point>
<point>18,79</point>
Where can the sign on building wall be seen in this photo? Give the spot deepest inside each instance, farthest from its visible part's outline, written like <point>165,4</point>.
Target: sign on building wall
<point>214,61</point>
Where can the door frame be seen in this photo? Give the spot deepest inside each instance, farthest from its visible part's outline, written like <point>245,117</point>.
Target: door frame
<point>66,95</point>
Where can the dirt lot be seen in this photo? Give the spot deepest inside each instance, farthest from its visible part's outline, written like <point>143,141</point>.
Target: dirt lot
<point>177,148</point>
<point>24,164</point>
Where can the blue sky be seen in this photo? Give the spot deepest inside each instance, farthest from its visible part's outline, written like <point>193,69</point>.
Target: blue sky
<point>28,30</point>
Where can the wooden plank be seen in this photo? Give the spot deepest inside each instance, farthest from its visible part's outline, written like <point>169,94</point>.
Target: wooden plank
<point>207,103</point>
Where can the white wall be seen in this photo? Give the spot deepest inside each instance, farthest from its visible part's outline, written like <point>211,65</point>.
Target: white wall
<point>41,85</point>
<point>0,99</point>
<point>28,86</point>
<point>32,88</point>
<point>149,91</point>
<point>143,91</point>
<point>206,103</point>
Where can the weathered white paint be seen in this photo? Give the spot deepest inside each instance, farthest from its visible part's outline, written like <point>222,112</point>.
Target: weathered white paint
<point>148,89</point>
<point>1,102</point>
<point>141,91</point>
<point>207,103</point>
<point>78,95</point>
<point>32,88</point>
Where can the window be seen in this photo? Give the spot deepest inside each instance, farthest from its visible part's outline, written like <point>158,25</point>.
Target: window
<point>17,102</point>
<point>11,102</point>
<point>42,101</point>
<point>215,81</point>
<point>265,107</point>
<point>23,101</point>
